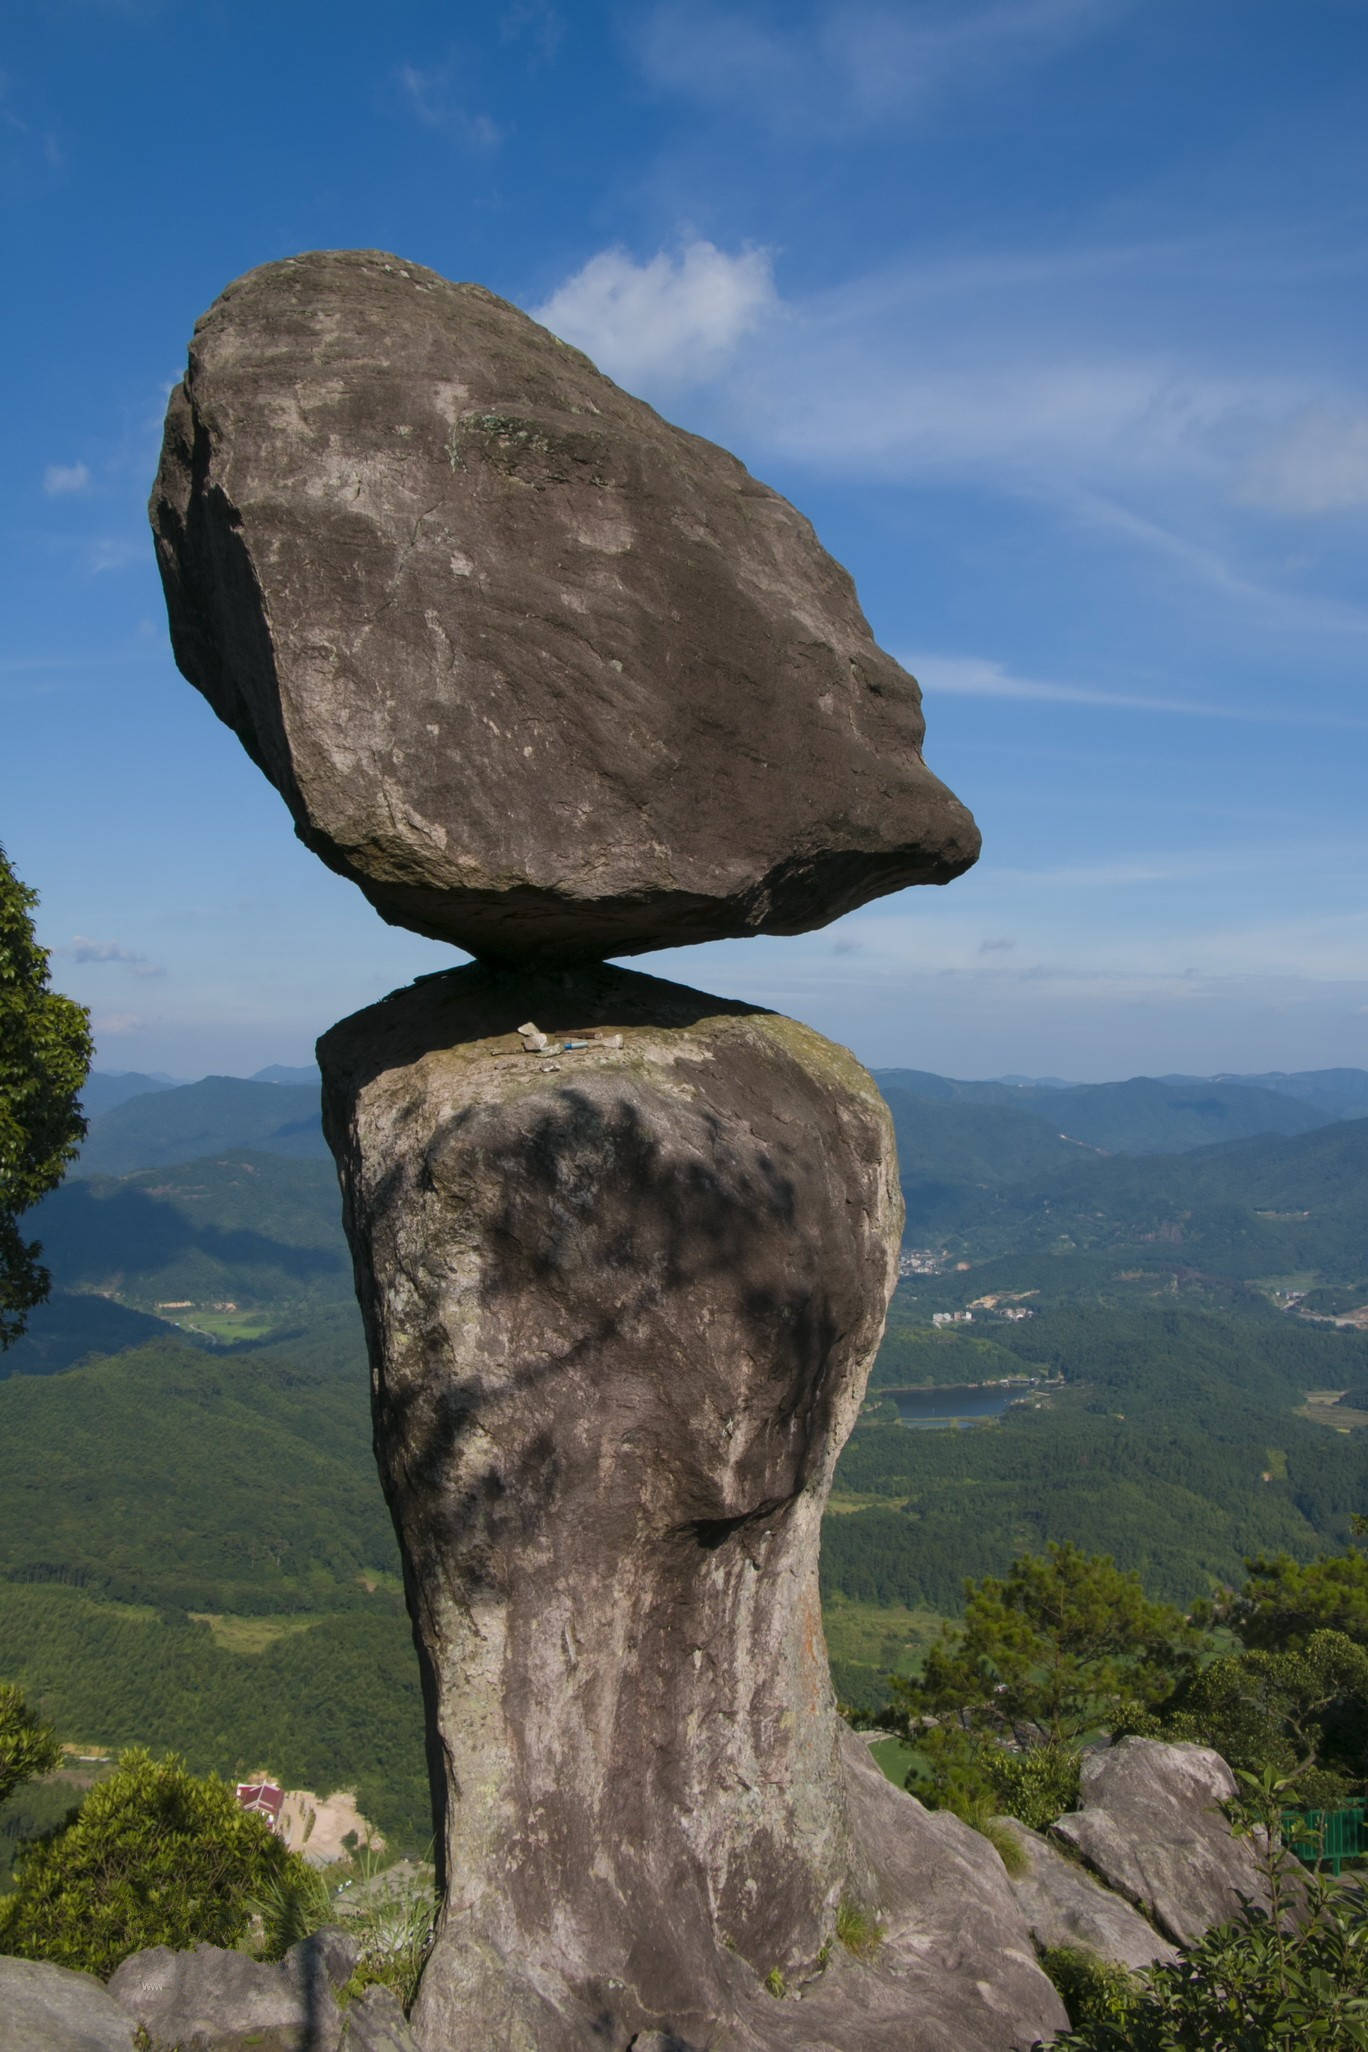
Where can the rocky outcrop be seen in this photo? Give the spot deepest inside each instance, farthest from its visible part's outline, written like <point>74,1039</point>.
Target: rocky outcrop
<point>374,2022</point>
<point>1150,1822</point>
<point>544,675</point>
<point>212,2000</point>
<point>46,2008</point>
<point>621,1291</point>
<point>1065,1905</point>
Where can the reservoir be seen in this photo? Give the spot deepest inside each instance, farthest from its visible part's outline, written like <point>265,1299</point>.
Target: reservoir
<point>938,1409</point>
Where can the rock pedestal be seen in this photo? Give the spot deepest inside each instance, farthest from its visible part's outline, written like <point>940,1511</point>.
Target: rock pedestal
<point>621,1299</point>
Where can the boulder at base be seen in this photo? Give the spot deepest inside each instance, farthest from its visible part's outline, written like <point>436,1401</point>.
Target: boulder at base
<point>544,675</point>
<point>1150,1822</point>
<point>45,2008</point>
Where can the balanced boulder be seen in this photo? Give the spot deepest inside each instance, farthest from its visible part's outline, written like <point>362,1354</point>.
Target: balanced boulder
<point>546,676</point>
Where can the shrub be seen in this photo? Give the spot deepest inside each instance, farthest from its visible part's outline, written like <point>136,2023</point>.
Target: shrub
<point>969,1773</point>
<point>1094,1991</point>
<point>1250,1986</point>
<point>391,1919</point>
<point>155,1856</point>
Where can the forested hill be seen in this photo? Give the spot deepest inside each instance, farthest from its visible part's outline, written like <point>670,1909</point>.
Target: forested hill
<point>1279,1207</point>
<point>162,1126</point>
<point>1147,1114</point>
<point>136,1122</point>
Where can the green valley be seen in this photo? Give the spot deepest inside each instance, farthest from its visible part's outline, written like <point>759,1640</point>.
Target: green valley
<point>194,1551</point>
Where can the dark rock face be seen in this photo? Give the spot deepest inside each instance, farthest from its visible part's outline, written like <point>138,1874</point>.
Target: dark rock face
<point>1150,1823</point>
<point>544,675</point>
<point>621,1300</point>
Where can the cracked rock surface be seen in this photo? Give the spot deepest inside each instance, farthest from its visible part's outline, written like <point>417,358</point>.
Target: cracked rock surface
<point>544,675</point>
<point>1150,1822</point>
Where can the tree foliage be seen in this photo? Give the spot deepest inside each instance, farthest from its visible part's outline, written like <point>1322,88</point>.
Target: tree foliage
<point>1284,1601</point>
<point>45,1051</point>
<point>1061,1645</point>
<point>1300,1712</point>
<point>28,1747</point>
<point>154,1856</point>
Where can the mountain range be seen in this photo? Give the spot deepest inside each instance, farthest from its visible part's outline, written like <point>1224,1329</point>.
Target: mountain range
<point>189,1517</point>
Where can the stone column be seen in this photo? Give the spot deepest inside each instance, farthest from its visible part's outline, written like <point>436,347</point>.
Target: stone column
<point>621,1304</point>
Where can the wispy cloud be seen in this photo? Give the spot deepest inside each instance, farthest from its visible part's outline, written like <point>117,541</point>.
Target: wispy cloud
<point>113,552</point>
<point>1066,378</point>
<point>61,478</point>
<point>1317,464</point>
<point>83,949</point>
<point>535,22</point>
<point>674,318</point>
<point>952,676</point>
<point>116,1025</point>
<point>837,66</point>
<point>431,96</point>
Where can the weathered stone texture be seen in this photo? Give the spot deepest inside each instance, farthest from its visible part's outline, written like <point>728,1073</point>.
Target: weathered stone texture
<point>1150,1822</point>
<point>544,675</point>
<point>215,2000</point>
<point>45,2008</point>
<point>621,1303</point>
<point>374,2022</point>
<point>1065,1905</point>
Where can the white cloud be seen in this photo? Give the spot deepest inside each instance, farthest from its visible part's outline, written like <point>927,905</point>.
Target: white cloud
<point>431,96</point>
<point>1318,464</point>
<point>60,478</point>
<point>674,317</point>
<point>848,64</point>
<point>83,949</point>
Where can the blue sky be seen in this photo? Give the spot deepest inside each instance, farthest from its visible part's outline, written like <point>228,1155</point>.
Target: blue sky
<point>1049,313</point>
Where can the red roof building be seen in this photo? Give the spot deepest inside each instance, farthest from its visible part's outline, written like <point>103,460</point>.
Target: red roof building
<point>263,1798</point>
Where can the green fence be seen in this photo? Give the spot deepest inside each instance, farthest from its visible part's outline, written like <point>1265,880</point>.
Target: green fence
<point>1318,1836</point>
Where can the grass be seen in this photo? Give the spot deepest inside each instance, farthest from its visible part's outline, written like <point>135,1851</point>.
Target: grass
<point>895,1759</point>
<point>889,1637</point>
<point>254,1634</point>
<point>1007,1846</point>
<point>1321,1408</point>
<point>231,1325</point>
<point>390,1911</point>
<point>381,1580</point>
<point>842,1502</point>
<point>858,1929</point>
